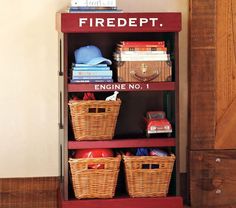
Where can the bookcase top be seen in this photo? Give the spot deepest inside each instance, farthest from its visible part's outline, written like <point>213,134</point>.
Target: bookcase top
<point>93,22</point>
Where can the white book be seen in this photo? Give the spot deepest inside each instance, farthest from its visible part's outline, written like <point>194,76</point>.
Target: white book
<point>154,57</point>
<point>141,52</point>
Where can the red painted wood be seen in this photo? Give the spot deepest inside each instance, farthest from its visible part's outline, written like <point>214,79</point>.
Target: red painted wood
<point>165,22</point>
<point>162,202</point>
<point>68,23</point>
<point>157,86</point>
<point>123,143</point>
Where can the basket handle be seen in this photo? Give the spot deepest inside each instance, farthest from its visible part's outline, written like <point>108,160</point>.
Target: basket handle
<point>96,110</point>
<point>150,166</point>
<point>96,165</point>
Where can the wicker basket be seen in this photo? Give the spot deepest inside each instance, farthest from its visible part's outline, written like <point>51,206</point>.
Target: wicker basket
<point>94,119</point>
<point>94,183</point>
<point>148,176</point>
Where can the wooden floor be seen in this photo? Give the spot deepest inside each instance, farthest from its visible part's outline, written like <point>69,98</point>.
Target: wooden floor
<point>30,192</point>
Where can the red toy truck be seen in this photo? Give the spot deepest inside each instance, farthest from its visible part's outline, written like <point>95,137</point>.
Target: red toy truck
<point>157,123</point>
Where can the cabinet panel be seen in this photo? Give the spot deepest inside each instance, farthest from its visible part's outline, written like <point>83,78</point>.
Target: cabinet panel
<point>202,99</point>
<point>212,103</point>
<point>203,23</point>
<point>213,178</point>
<point>226,71</point>
<point>212,75</point>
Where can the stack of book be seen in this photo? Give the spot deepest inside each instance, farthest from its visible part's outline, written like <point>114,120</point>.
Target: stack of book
<point>81,73</point>
<point>141,51</point>
<point>93,5</point>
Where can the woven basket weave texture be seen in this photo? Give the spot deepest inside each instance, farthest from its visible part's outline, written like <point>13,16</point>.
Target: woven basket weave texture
<point>94,183</point>
<point>148,176</point>
<point>94,119</point>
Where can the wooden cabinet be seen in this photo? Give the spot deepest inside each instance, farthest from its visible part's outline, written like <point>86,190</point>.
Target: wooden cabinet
<point>213,178</point>
<point>79,29</point>
<point>212,96</point>
<point>212,74</point>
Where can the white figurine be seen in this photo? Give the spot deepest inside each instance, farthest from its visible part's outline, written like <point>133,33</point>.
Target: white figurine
<point>112,97</point>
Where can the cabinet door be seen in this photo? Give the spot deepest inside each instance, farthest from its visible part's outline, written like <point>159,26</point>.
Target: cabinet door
<point>212,75</point>
<point>226,72</point>
<point>213,178</point>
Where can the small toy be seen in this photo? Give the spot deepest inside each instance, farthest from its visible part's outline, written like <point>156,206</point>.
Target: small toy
<point>157,123</point>
<point>89,96</point>
<point>112,97</point>
<point>142,152</point>
<point>94,153</point>
<point>157,152</point>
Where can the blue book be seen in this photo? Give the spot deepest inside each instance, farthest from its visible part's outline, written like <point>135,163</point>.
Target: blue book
<point>90,80</point>
<point>87,65</point>
<point>91,73</point>
<point>91,77</point>
<point>90,68</point>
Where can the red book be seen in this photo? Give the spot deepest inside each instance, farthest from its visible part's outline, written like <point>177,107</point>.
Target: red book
<point>143,43</point>
<point>141,48</point>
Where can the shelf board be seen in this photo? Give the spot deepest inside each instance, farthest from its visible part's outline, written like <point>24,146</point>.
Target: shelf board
<point>123,143</point>
<point>156,22</point>
<point>121,86</point>
<point>125,202</point>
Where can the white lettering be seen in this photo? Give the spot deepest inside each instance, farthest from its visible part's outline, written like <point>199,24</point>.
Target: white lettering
<point>99,21</point>
<point>123,86</point>
<point>110,22</point>
<point>102,87</point>
<point>110,87</point>
<point>153,20</point>
<point>118,22</point>
<point>122,22</point>
<point>143,21</point>
<point>131,86</point>
<point>134,86</point>
<point>96,87</point>
<point>137,86</point>
<point>91,22</point>
<point>132,22</point>
<point>82,21</point>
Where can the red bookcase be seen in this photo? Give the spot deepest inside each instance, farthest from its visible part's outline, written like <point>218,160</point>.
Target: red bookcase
<point>105,30</point>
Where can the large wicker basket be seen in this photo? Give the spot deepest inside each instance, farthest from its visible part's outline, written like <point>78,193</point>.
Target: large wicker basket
<point>148,176</point>
<point>94,183</point>
<point>94,119</point>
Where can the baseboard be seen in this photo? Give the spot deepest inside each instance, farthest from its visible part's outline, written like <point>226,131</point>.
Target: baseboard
<point>37,192</point>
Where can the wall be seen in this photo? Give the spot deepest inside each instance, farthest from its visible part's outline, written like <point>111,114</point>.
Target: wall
<point>28,65</point>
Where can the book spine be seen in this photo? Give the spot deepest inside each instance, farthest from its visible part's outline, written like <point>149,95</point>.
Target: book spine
<point>140,48</point>
<point>155,57</point>
<point>91,3</point>
<point>92,73</point>
<point>87,65</point>
<point>141,52</point>
<point>90,77</point>
<point>90,80</point>
<point>157,43</point>
<point>90,68</point>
